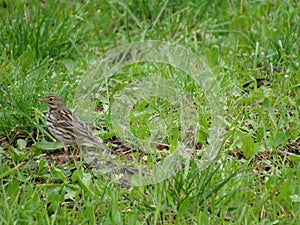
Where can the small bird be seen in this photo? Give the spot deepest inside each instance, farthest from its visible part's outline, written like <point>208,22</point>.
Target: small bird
<point>66,127</point>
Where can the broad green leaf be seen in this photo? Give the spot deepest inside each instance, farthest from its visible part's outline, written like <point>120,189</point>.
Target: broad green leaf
<point>21,144</point>
<point>84,180</point>
<point>247,146</point>
<point>48,145</point>
<point>58,175</point>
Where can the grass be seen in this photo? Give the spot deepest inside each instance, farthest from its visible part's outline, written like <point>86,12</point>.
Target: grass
<point>50,47</point>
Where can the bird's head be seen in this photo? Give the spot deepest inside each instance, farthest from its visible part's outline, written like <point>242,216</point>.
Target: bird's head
<point>53,101</point>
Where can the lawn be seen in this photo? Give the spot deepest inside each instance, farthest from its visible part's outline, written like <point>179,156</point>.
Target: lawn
<point>199,101</point>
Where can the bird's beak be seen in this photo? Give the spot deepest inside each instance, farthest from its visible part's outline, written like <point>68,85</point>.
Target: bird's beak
<point>41,99</point>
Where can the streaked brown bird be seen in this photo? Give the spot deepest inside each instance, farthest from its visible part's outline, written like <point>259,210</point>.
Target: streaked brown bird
<point>66,127</point>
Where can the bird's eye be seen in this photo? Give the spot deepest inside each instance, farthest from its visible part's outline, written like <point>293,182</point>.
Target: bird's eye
<point>51,99</point>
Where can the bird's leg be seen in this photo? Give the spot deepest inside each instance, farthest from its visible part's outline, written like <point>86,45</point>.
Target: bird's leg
<point>63,158</point>
<point>76,155</point>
